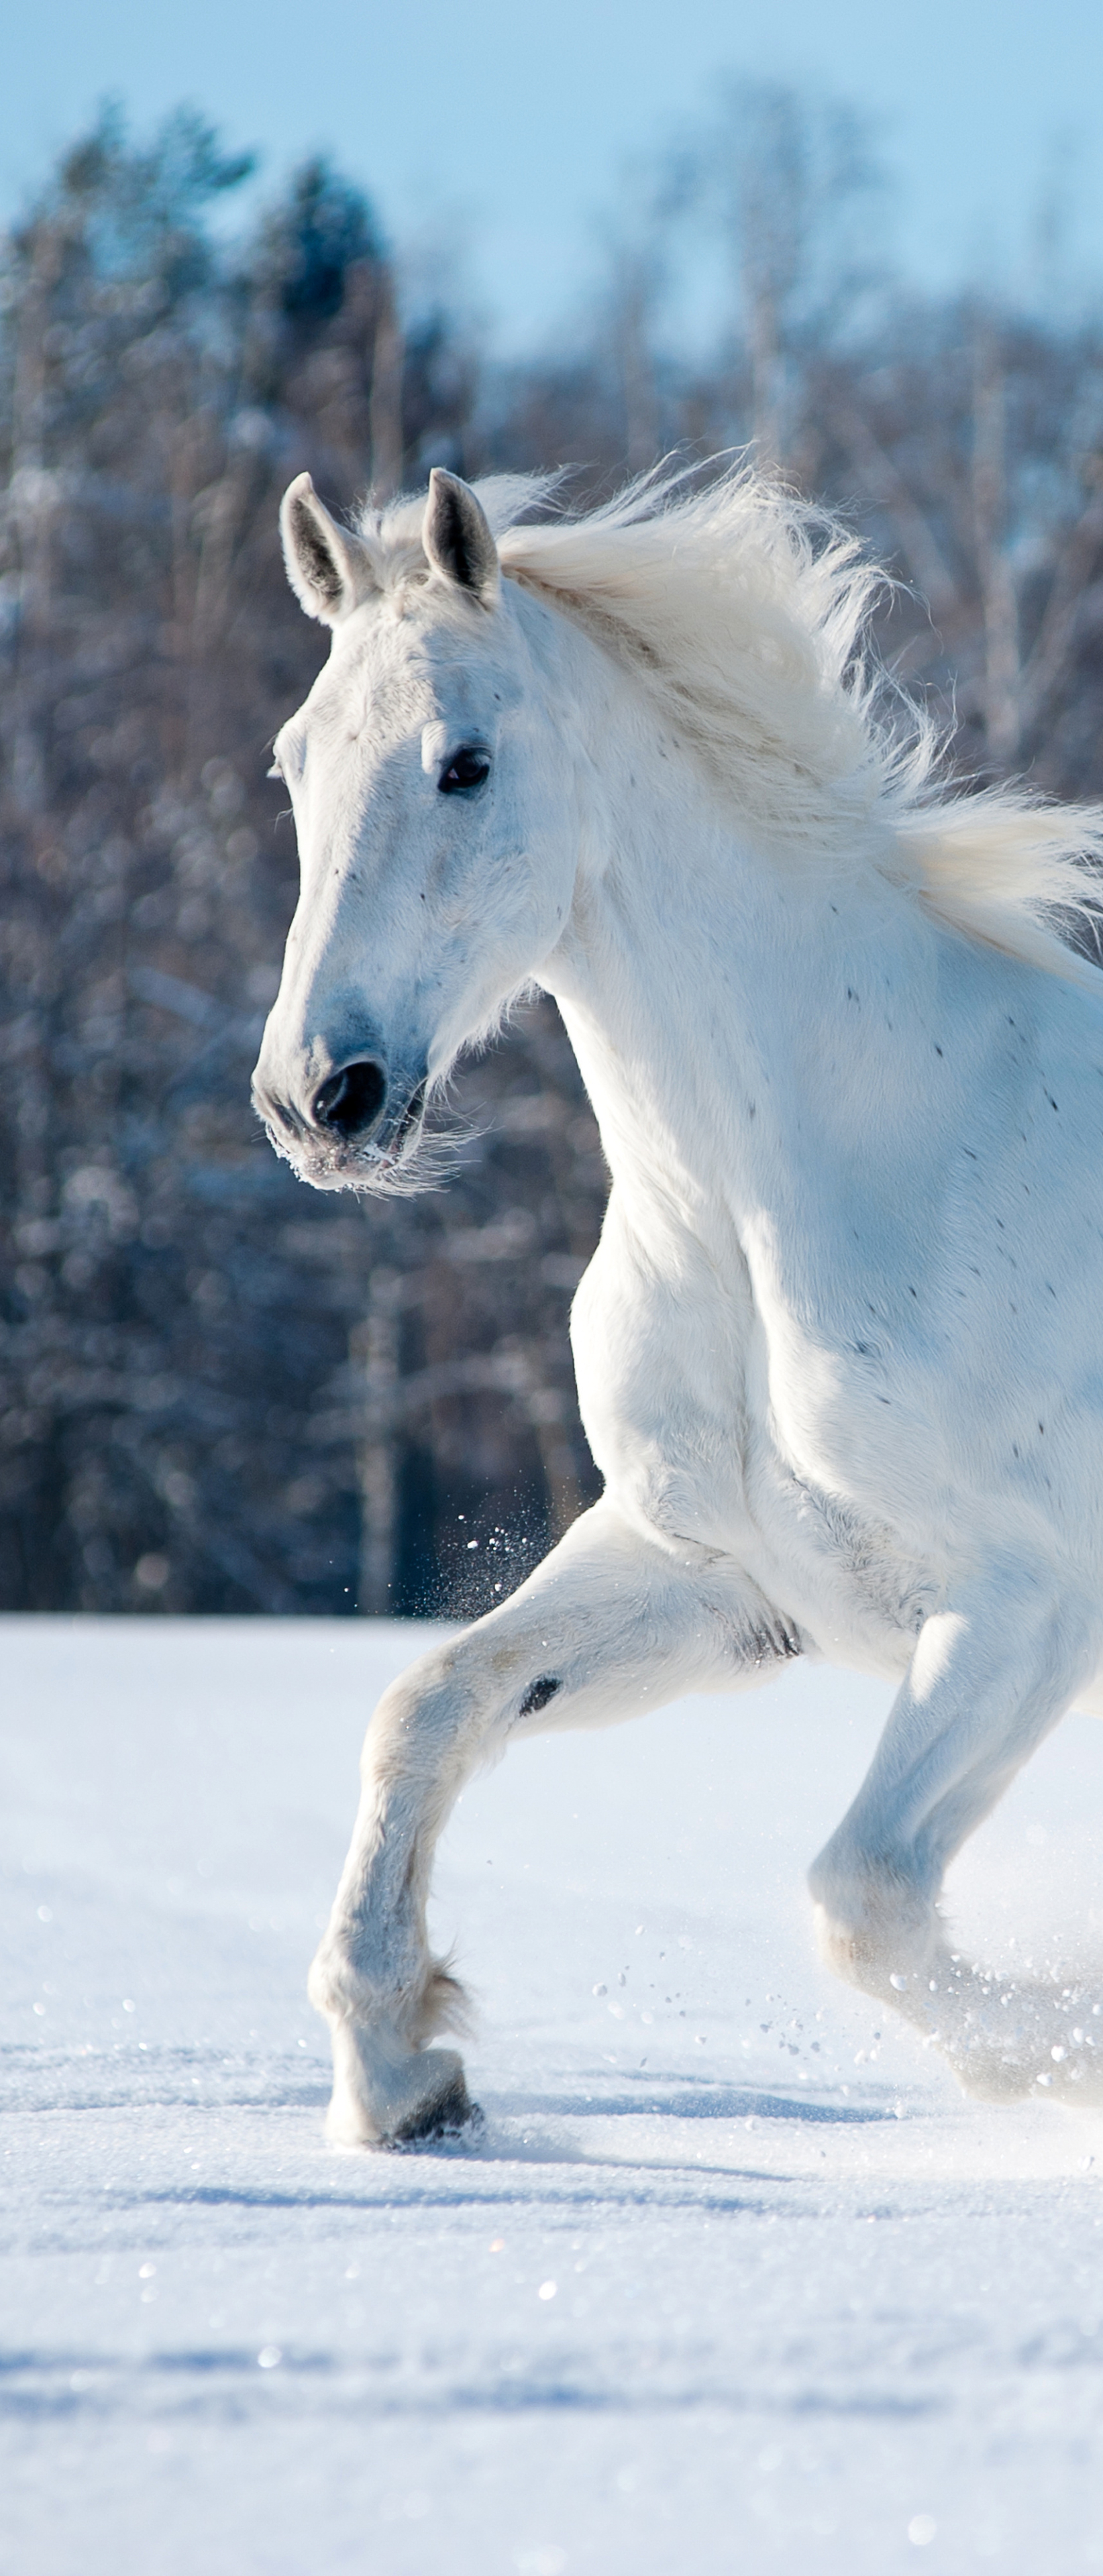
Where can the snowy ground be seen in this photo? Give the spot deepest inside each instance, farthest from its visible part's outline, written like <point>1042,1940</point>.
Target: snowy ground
<point>728,2283</point>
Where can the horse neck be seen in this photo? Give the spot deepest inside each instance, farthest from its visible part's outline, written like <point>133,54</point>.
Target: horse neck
<point>710,989</point>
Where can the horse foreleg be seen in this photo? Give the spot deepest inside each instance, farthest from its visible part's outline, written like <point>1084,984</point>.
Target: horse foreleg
<point>987,1682</point>
<point>608,1626</point>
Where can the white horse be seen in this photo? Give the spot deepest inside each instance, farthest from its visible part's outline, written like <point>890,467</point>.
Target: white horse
<point>840,1351</point>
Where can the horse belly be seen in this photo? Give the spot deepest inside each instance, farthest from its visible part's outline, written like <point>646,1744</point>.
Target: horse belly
<point>848,1577</point>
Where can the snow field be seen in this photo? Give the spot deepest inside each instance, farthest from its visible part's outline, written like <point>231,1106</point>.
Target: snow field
<point>733,2278</point>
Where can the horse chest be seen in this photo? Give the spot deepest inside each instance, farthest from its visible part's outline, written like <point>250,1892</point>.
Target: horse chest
<point>682,1394</point>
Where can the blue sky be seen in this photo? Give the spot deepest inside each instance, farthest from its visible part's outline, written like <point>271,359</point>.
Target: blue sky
<point>493,131</point>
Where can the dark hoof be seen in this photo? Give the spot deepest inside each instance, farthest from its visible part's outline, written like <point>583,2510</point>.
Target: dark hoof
<point>452,2115</point>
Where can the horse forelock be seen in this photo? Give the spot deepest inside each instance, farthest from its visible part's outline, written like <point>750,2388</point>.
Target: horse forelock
<point>745,611</point>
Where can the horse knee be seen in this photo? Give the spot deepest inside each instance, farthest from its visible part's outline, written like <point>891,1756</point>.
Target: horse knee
<point>419,1709</point>
<point>428,1732</point>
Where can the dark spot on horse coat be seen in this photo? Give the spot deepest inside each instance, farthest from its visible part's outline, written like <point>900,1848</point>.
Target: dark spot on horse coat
<point>538,1694</point>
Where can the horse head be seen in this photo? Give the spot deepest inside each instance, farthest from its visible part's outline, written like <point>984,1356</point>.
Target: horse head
<point>432,793</point>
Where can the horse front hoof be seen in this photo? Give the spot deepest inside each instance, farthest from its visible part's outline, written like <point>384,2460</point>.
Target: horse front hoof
<point>451,2114</point>
<point>387,2096</point>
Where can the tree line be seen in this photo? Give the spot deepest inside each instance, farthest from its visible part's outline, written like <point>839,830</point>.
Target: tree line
<point>220,1392</point>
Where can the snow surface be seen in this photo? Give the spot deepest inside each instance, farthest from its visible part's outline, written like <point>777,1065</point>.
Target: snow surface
<point>728,2282</point>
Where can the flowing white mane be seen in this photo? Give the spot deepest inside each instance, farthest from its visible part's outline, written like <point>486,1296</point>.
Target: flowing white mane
<point>745,613</point>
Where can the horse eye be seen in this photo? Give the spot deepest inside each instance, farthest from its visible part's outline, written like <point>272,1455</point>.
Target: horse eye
<point>466,769</point>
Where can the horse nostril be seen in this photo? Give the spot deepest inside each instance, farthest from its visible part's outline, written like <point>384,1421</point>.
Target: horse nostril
<point>351,1102</point>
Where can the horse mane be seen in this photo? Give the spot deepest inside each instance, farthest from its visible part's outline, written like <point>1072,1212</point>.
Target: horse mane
<point>744,612</point>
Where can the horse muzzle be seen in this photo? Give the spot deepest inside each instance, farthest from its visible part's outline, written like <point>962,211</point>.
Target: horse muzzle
<point>348,1131</point>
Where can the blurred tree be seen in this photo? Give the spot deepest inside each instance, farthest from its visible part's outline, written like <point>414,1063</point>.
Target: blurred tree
<point>183,1425</point>
<point>795,180</point>
<point>325,344</point>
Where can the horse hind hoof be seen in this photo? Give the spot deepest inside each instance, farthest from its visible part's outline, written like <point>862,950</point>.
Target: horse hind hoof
<point>989,2077</point>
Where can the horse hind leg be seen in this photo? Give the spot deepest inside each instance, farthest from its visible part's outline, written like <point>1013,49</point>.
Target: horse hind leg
<point>987,1682</point>
<point>608,1626</point>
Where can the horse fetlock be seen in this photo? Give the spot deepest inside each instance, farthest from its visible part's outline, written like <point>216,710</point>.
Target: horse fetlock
<point>442,2005</point>
<point>386,2094</point>
<point>417,2005</point>
<point>882,1937</point>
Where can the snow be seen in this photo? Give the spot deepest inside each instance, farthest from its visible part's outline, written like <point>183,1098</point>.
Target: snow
<point>727,2283</point>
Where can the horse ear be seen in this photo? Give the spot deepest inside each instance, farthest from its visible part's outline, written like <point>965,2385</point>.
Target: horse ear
<point>329,570</point>
<point>456,536</point>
